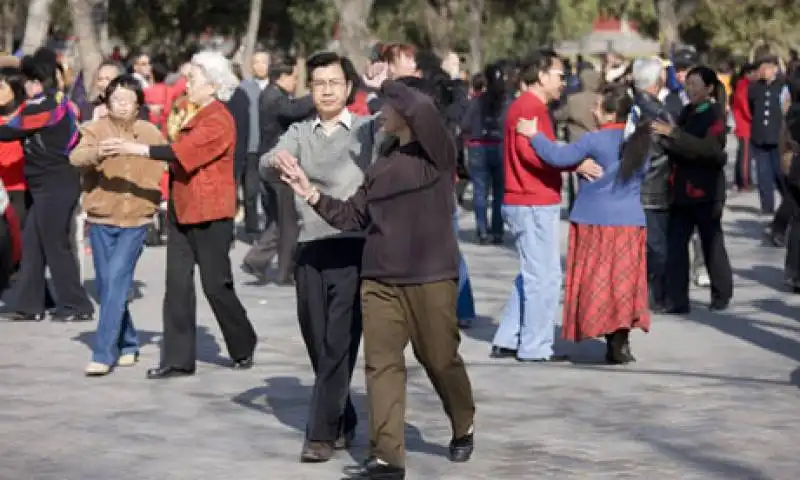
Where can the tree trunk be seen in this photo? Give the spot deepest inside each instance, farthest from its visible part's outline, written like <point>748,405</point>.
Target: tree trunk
<point>253,21</point>
<point>667,25</point>
<point>475,37</point>
<point>99,9</point>
<point>36,25</point>
<point>354,35</point>
<point>438,25</point>
<point>9,16</point>
<point>88,45</point>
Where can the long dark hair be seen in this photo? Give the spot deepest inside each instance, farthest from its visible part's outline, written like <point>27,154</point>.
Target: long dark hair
<point>41,66</point>
<point>493,99</point>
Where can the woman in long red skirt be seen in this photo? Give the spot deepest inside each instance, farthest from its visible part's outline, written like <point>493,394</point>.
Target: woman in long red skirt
<point>606,284</point>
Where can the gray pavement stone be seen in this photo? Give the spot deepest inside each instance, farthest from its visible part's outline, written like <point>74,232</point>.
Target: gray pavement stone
<point>711,396</point>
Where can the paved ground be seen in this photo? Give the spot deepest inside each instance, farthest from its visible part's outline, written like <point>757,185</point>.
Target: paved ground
<point>712,395</point>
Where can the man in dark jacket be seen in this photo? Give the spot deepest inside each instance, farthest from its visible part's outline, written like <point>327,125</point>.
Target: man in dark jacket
<point>648,80</point>
<point>279,109</point>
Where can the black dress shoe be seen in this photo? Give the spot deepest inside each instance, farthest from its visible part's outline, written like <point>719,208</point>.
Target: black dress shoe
<point>550,359</point>
<point>374,469</point>
<point>159,373</point>
<point>719,305</point>
<point>316,452</point>
<point>461,448</point>
<point>618,350</point>
<point>677,310</point>
<point>502,352</point>
<point>72,317</point>
<point>24,317</point>
<point>245,363</point>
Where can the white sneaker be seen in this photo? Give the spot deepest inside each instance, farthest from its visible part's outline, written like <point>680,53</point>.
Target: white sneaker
<point>96,369</point>
<point>127,360</point>
<point>702,280</point>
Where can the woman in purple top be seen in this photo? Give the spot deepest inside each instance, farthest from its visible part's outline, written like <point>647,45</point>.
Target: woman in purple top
<point>606,284</point>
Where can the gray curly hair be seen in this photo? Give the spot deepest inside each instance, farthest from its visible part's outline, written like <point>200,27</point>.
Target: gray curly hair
<point>217,70</point>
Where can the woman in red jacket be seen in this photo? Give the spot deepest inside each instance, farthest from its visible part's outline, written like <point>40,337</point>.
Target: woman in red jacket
<point>12,158</point>
<point>740,107</point>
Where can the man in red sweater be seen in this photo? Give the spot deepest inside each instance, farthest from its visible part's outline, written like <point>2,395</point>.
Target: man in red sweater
<point>532,210</point>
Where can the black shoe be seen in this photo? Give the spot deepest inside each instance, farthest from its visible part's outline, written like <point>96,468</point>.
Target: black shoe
<point>502,352</point>
<point>498,240</point>
<point>159,373</point>
<point>245,363</point>
<point>373,469</point>
<point>677,310</point>
<point>719,305</point>
<point>316,452</point>
<point>72,317</point>
<point>461,448</point>
<point>24,317</point>
<point>550,359</point>
<point>618,350</point>
<point>483,239</point>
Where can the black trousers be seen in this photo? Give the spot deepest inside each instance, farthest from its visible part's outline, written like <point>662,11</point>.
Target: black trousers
<point>22,200</point>
<point>707,218</point>
<point>657,224</point>
<point>329,312</point>
<point>280,236</point>
<point>205,245</point>
<point>251,190</point>
<point>46,243</point>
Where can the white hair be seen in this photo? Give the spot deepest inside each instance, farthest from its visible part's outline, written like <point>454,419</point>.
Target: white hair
<point>217,70</point>
<point>646,72</point>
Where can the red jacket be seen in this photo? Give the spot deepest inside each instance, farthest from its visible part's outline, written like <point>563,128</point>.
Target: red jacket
<point>528,180</point>
<point>360,106</point>
<point>203,186</point>
<point>741,108</point>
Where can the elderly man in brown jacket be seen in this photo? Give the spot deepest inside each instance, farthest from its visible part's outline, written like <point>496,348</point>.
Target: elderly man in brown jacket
<point>578,114</point>
<point>121,194</point>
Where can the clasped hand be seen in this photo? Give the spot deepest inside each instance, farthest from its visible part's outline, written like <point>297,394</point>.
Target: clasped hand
<point>291,173</point>
<point>118,146</point>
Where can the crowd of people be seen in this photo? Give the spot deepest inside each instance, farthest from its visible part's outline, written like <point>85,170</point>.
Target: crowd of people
<point>331,185</point>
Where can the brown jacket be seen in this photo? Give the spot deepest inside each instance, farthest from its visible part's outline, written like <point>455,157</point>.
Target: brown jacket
<point>789,149</point>
<point>122,190</point>
<point>578,110</point>
<point>203,186</point>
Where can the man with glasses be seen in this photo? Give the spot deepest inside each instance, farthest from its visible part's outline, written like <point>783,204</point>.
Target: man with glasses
<point>333,148</point>
<point>532,210</point>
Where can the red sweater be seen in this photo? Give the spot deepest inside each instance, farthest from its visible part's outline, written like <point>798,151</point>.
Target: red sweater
<point>528,180</point>
<point>12,163</point>
<point>741,108</point>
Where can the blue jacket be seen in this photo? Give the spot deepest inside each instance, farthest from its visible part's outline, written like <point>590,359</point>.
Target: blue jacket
<point>607,200</point>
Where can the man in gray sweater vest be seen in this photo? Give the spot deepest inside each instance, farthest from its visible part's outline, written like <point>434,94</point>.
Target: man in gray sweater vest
<point>334,149</point>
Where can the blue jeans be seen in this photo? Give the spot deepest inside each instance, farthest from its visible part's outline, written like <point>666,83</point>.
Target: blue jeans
<point>770,178</point>
<point>486,172</point>
<point>528,318</point>
<point>657,221</point>
<point>465,305</point>
<point>115,251</point>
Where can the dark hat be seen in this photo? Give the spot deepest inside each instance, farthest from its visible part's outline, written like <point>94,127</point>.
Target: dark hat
<point>684,59</point>
<point>407,101</point>
<point>41,66</point>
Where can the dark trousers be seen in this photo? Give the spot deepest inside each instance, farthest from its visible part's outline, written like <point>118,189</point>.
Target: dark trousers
<point>707,218</point>
<point>768,165</point>
<point>251,191</point>
<point>657,223</point>
<point>205,245</point>
<point>743,169</point>
<point>425,315</point>
<point>46,243</point>
<point>792,266</point>
<point>22,200</point>
<point>327,281</point>
<point>280,236</point>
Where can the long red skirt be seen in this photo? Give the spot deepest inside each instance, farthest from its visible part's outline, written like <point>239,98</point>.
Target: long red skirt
<point>606,287</point>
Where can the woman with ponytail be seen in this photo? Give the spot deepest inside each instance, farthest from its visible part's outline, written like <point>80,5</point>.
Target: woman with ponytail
<point>696,149</point>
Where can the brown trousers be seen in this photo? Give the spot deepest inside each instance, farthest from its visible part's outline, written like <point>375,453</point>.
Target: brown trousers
<point>426,315</point>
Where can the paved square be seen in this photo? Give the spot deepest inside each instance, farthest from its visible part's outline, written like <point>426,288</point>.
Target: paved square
<point>711,396</point>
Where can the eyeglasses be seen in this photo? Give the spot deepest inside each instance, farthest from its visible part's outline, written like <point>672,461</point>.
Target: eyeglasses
<point>334,83</point>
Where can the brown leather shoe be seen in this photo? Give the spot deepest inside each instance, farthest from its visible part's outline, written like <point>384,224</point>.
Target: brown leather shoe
<point>316,452</point>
